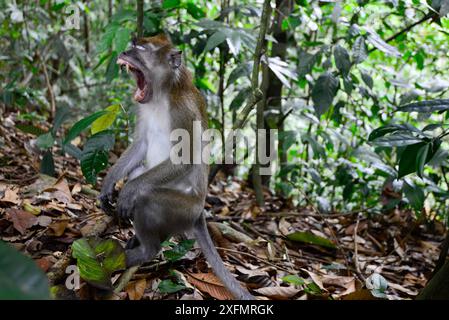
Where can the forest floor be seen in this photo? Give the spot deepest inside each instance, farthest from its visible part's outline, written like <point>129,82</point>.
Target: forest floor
<point>334,254</point>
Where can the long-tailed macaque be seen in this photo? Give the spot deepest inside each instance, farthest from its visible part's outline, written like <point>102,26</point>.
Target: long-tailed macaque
<point>160,197</point>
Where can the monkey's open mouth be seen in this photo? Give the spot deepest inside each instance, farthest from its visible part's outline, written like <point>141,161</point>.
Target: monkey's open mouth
<point>143,87</point>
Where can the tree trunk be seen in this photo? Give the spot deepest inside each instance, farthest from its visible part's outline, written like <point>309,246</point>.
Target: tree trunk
<point>274,87</point>
<point>139,18</point>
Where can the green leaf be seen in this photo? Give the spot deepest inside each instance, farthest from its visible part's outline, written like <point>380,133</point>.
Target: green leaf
<point>106,120</point>
<point>426,106</point>
<point>27,128</point>
<point>415,156</point>
<point>94,157</point>
<point>179,250</point>
<point>367,79</point>
<point>168,286</point>
<point>45,141</point>
<point>170,4</point>
<point>214,40</point>
<point>414,195</point>
<point>47,165</point>
<point>342,60</point>
<point>323,92</point>
<point>359,50</point>
<point>20,277</point>
<point>396,140</point>
<point>122,39</point>
<point>390,128</point>
<point>112,68</point>
<point>294,279</point>
<point>240,98</point>
<point>195,11</point>
<point>308,237</point>
<point>380,44</point>
<point>62,114</point>
<point>83,124</point>
<point>421,159</point>
<point>243,69</point>
<point>97,259</point>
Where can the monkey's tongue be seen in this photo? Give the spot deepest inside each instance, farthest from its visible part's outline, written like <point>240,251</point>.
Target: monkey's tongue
<point>140,94</point>
<point>141,91</point>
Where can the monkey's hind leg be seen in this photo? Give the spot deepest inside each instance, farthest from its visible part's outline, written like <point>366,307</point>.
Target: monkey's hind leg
<point>146,244</point>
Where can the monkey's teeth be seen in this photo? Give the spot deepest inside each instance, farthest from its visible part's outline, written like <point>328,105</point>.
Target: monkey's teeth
<point>127,68</point>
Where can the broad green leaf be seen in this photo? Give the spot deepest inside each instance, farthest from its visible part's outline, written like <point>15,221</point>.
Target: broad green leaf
<point>214,40</point>
<point>195,11</point>
<point>426,106</point>
<point>281,70</point>
<point>243,69</point>
<point>47,165</point>
<point>306,62</point>
<point>122,39</point>
<point>97,259</point>
<point>20,277</point>
<point>367,79</point>
<point>45,141</point>
<point>408,160</point>
<point>240,98</point>
<point>310,238</point>
<point>323,92</point>
<point>170,4</point>
<point>380,44</point>
<point>293,279</point>
<point>168,286</point>
<point>179,251</point>
<point>112,68</point>
<point>106,120</point>
<point>94,157</point>
<point>359,50</point>
<point>62,114</point>
<point>342,60</point>
<point>81,125</point>
<point>390,128</point>
<point>72,150</point>
<point>28,128</point>
<point>421,159</point>
<point>414,195</point>
<point>396,140</point>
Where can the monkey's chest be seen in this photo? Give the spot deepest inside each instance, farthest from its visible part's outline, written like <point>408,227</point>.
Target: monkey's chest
<point>156,124</point>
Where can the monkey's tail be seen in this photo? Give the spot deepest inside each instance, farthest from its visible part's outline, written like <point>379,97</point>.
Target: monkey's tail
<point>211,254</point>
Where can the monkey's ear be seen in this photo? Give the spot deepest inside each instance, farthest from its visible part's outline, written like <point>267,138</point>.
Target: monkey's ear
<point>175,58</point>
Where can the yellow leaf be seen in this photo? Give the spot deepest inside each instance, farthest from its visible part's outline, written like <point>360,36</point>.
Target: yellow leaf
<point>105,121</point>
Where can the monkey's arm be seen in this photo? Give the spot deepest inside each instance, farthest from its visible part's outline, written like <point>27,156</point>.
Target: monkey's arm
<point>129,160</point>
<point>161,174</point>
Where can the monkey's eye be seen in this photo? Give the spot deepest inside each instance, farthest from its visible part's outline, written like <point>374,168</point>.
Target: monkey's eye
<point>140,47</point>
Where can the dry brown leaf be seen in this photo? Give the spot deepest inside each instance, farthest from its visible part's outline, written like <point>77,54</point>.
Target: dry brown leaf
<point>136,289</point>
<point>60,191</point>
<point>278,293</point>
<point>58,228</point>
<point>10,195</point>
<point>345,282</point>
<point>21,219</point>
<point>76,188</point>
<point>209,283</point>
<point>316,278</point>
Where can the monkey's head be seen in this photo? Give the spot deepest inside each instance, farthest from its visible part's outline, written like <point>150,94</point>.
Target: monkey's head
<point>153,61</point>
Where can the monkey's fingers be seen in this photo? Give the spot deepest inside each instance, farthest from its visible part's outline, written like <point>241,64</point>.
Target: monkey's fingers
<point>107,206</point>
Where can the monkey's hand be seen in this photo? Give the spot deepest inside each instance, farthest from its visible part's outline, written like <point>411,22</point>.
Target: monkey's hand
<point>127,200</point>
<point>106,198</point>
